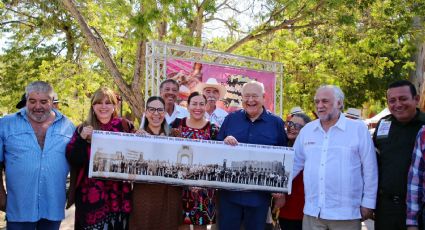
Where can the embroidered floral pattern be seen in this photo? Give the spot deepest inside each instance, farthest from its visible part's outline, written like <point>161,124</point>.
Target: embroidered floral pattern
<point>198,204</point>
<point>101,203</point>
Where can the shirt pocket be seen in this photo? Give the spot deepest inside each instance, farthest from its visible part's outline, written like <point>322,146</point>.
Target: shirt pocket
<point>19,145</point>
<point>352,179</point>
<point>59,139</point>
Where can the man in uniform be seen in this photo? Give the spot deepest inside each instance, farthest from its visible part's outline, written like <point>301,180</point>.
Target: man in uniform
<point>394,140</point>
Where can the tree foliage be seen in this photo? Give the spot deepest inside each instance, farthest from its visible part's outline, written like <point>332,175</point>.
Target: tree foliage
<point>80,45</point>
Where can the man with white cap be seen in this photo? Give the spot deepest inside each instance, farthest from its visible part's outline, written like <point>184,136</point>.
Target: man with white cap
<point>213,91</point>
<point>55,101</point>
<point>353,113</point>
<point>296,110</point>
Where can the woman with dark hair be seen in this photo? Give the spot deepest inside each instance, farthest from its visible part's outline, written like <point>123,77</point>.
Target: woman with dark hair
<point>198,204</point>
<point>155,206</point>
<point>99,204</point>
<point>291,215</point>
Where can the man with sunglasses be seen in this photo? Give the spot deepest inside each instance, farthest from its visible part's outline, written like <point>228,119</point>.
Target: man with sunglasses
<point>340,169</point>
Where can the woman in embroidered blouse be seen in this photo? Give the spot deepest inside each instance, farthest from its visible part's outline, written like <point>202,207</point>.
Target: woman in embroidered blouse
<point>155,206</point>
<point>99,204</point>
<point>198,204</point>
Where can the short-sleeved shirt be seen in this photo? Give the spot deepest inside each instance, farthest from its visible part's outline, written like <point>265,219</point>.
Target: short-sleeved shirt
<point>267,129</point>
<point>35,177</point>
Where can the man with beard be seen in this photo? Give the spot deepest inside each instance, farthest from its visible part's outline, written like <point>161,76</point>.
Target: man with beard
<point>254,125</point>
<point>32,151</point>
<point>214,92</point>
<point>340,169</point>
<point>169,90</point>
<point>394,139</point>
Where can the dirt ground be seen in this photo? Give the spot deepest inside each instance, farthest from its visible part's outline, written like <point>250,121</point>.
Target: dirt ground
<point>68,223</point>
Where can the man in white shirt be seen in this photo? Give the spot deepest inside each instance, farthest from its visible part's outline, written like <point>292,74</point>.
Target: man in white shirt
<point>340,168</point>
<point>169,90</point>
<point>213,91</point>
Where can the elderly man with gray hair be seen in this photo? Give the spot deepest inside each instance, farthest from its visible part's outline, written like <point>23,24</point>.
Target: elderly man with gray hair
<point>340,168</point>
<point>32,151</point>
<point>253,124</point>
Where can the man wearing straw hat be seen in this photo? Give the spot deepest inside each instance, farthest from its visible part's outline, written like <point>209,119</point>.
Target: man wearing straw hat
<point>214,91</point>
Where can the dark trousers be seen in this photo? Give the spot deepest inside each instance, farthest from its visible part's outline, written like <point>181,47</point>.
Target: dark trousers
<point>286,224</point>
<point>390,213</point>
<point>42,224</point>
<point>232,215</point>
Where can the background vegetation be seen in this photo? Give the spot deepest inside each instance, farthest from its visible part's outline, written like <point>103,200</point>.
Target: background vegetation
<point>360,45</point>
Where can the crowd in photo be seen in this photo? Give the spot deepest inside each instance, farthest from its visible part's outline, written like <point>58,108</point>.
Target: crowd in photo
<point>209,172</point>
<point>342,175</point>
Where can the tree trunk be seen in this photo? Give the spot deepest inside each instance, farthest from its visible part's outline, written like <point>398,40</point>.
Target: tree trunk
<point>100,49</point>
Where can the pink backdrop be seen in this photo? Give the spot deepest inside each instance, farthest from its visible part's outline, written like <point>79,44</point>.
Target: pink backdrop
<point>189,74</point>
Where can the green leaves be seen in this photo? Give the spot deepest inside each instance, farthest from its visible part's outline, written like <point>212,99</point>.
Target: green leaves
<point>359,45</point>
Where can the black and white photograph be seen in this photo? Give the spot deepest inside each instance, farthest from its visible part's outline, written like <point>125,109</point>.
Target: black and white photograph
<point>199,163</point>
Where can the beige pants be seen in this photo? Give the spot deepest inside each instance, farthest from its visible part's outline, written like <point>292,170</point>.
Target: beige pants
<point>313,223</point>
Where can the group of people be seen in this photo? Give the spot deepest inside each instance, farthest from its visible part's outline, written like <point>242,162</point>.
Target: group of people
<point>341,175</point>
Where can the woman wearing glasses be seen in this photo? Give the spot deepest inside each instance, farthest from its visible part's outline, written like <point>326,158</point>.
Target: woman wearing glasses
<point>291,215</point>
<point>198,203</point>
<point>155,206</point>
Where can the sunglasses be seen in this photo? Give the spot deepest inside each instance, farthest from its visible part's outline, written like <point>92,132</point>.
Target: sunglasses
<point>294,125</point>
<point>153,110</point>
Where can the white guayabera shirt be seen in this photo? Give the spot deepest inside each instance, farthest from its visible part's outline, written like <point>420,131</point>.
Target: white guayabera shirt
<point>340,169</point>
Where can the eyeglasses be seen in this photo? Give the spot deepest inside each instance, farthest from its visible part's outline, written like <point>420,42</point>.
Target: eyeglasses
<point>254,97</point>
<point>294,125</point>
<point>153,110</point>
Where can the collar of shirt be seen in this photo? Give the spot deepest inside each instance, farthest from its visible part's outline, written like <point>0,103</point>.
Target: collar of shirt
<point>263,115</point>
<point>419,117</point>
<point>340,124</point>
<point>23,112</point>
<point>216,112</point>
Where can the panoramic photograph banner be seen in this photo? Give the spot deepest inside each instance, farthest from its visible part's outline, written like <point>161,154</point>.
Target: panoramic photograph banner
<point>189,74</point>
<point>200,163</point>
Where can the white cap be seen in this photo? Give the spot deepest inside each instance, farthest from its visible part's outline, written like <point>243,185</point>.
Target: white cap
<point>55,97</point>
<point>353,113</point>
<point>296,110</point>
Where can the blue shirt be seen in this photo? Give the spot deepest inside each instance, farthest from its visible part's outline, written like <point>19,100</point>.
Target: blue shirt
<point>267,129</point>
<point>35,177</point>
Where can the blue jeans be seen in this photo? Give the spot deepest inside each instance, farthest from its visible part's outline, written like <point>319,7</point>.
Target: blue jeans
<point>42,224</point>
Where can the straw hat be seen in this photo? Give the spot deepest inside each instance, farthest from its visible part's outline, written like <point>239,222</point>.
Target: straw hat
<point>212,83</point>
